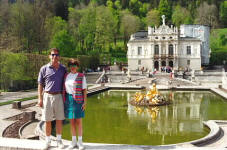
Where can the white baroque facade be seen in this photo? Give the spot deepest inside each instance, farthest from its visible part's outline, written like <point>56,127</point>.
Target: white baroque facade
<point>163,47</point>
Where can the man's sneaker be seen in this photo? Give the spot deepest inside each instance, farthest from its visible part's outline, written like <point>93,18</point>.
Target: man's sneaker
<point>60,144</point>
<point>72,145</point>
<point>80,146</point>
<point>47,144</point>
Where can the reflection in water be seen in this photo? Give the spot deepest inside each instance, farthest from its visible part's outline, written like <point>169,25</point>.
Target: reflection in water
<point>182,115</point>
<point>110,119</point>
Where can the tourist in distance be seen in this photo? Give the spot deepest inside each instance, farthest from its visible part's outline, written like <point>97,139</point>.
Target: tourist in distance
<point>50,81</point>
<point>75,97</point>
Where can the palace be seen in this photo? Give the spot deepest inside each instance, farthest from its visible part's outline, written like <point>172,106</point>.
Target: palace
<point>187,48</point>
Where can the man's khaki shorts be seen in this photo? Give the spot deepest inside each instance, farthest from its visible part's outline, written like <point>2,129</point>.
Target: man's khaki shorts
<point>53,107</point>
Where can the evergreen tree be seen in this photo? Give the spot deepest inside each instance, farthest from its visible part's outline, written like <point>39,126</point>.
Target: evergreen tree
<point>223,13</point>
<point>165,9</point>
<point>61,8</point>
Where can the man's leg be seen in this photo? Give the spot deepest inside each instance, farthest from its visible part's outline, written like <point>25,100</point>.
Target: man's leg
<point>47,114</point>
<point>59,115</point>
<point>59,133</point>
<point>48,128</point>
<point>59,127</point>
<point>48,133</point>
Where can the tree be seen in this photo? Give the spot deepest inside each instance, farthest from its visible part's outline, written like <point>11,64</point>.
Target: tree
<point>105,26</point>
<point>207,15</point>
<point>5,38</point>
<point>74,18</point>
<point>27,22</point>
<point>165,9</point>
<point>115,9</point>
<point>129,24</point>
<point>21,24</point>
<point>87,29</point>
<point>12,68</point>
<point>125,3</point>
<point>65,42</point>
<point>134,6</point>
<point>42,11</point>
<point>53,26</point>
<point>153,18</point>
<point>144,9</point>
<point>223,13</point>
<point>61,8</point>
<point>223,40</point>
<point>4,16</point>
<point>181,16</point>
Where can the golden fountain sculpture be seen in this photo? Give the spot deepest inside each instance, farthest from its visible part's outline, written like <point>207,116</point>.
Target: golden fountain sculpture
<point>151,98</point>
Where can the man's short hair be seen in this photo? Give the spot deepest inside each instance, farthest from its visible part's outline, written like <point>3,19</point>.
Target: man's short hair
<point>54,49</point>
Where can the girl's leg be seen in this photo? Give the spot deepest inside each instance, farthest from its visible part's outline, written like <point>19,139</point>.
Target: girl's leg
<point>73,132</point>
<point>80,132</point>
<point>79,125</point>
<point>73,126</point>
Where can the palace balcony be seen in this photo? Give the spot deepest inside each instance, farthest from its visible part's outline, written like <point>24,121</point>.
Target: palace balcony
<point>164,56</point>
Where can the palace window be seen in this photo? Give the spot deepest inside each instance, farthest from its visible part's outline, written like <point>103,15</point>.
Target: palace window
<point>139,62</point>
<point>188,50</point>
<point>156,37</point>
<point>188,62</point>
<point>170,49</point>
<point>156,49</point>
<point>139,50</point>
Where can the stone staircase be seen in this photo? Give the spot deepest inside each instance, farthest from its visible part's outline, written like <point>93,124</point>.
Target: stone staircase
<point>92,78</point>
<point>96,90</point>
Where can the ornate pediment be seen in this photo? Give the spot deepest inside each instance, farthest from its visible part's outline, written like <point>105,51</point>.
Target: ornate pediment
<point>163,29</point>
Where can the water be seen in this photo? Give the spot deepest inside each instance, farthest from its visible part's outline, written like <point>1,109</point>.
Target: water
<point>110,119</point>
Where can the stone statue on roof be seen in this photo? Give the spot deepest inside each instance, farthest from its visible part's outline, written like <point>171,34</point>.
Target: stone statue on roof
<point>163,20</point>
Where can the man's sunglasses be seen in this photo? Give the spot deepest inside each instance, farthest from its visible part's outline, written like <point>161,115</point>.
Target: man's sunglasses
<point>54,55</point>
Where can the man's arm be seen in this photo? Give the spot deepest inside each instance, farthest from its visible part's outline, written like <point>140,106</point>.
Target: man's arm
<point>40,95</point>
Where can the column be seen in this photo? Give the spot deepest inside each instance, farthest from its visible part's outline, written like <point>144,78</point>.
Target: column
<point>167,49</point>
<point>152,50</point>
<point>176,50</point>
<point>152,66</point>
<point>159,65</point>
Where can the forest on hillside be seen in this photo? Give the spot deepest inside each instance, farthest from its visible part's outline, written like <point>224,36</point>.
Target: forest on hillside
<point>94,31</point>
<point>90,27</point>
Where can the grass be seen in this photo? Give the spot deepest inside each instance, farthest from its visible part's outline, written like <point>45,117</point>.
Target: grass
<point>21,100</point>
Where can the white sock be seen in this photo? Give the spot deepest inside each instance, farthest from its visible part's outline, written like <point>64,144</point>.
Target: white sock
<point>80,139</point>
<point>59,137</point>
<point>73,139</point>
<point>48,138</point>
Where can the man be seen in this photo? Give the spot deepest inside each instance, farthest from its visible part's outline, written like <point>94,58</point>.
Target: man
<point>50,83</point>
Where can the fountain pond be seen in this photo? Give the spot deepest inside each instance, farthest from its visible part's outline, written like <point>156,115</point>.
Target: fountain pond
<point>110,118</point>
